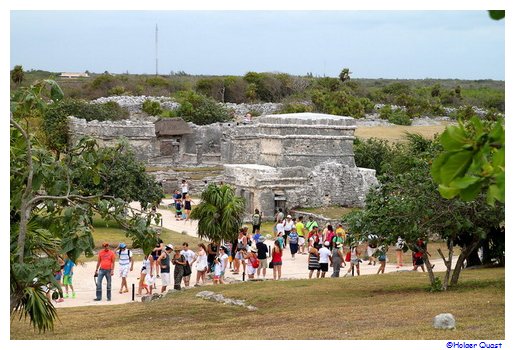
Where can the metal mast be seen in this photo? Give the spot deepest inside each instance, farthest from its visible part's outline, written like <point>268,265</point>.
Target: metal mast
<point>156,51</point>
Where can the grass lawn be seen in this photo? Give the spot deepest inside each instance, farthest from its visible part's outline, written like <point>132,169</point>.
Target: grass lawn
<point>333,212</point>
<point>390,306</point>
<point>396,133</point>
<point>111,232</point>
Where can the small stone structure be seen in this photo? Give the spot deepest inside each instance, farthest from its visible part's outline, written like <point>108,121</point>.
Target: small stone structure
<point>295,160</point>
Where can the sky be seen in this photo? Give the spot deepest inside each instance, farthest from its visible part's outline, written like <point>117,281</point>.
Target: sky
<point>373,44</point>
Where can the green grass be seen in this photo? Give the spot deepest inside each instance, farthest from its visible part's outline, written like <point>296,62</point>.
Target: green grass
<point>390,306</point>
<point>332,212</point>
<point>111,232</point>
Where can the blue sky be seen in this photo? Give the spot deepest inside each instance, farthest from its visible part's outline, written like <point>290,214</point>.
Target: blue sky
<point>373,44</point>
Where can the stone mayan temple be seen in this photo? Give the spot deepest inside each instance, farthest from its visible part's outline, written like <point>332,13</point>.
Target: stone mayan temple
<point>295,160</point>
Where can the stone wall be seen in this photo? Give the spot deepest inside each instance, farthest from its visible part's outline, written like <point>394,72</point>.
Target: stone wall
<point>140,135</point>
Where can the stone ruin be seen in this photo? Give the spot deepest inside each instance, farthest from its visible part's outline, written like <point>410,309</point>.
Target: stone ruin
<point>278,161</point>
<point>295,160</point>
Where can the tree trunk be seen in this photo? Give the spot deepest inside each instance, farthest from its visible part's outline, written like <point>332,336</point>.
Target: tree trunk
<point>22,230</point>
<point>464,254</point>
<point>430,273</point>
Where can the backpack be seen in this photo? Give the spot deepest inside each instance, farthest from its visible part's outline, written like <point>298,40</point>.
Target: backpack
<point>120,253</point>
<point>254,262</point>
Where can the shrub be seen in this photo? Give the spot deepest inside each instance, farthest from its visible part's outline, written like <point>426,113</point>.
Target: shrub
<point>116,91</point>
<point>372,153</point>
<point>463,113</point>
<point>399,117</point>
<point>55,118</point>
<point>152,107</point>
<point>296,108</point>
<point>156,82</point>
<point>200,109</point>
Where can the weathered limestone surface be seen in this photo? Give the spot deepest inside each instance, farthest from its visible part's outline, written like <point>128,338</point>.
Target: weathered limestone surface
<point>295,160</point>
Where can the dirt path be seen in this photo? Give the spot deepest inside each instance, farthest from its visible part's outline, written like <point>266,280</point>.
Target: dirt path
<point>85,287</point>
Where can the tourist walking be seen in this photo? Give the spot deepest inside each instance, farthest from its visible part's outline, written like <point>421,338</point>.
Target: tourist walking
<point>329,235</point>
<point>179,261</point>
<point>67,276</point>
<point>354,259</point>
<point>382,259</point>
<point>311,224</point>
<point>190,259</point>
<point>224,260</point>
<point>217,273</point>
<point>313,263</point>
<point>277,259</point>
<point>399,250</point>
<point>105,268</point>
<point>293,239</point>
<point>202,264</point>
<point>164,263</point>
<point>212,251</point>
<point>262,251</point>
<point>288,225</point>
<point>125,264</point>
<point>256,221</point>
<point>187,206</point>
<point>302,232</point>
<point>241,246</point>
<point>252,262</point>
<point>184,189</point>
<point>156,252</point>
<point>337,259</point>
<point>146,278</point>
<point>324,258</point>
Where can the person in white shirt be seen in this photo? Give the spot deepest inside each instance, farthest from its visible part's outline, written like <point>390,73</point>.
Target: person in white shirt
<point>190,258</point>
<point>223,259</point>
<point>324,258</point>
<point>126,263</point>
<point>184,189</point>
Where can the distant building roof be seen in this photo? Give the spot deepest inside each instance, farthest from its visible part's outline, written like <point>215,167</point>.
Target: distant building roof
<point>74,75</point>
<point>172,127</point>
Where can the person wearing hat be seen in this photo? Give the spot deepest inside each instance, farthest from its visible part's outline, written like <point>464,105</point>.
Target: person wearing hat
<point>125,263</point>
<point>262,251</point>
<point>164,263</point>
<point>324,258</point>
<point>252,261</point>
<point>179,260</point>
<point>288,225</point>
<point>105,268</point>
<point>337,259</point>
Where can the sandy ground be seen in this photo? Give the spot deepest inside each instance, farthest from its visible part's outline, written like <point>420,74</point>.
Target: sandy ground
<point>297,268</point>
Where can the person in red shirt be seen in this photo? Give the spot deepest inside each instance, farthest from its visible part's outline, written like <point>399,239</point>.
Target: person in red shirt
<point>106,258</point>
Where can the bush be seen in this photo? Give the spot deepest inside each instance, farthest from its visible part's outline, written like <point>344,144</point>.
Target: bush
<point>372,153</point>
<point>399,117</point>
<point>296,108</point>
<point>116,91</point>
<point>463,113</point>
<point>55,118</point>
<point>200,109</point>
<point>152,107</point>
<point>338,103</point>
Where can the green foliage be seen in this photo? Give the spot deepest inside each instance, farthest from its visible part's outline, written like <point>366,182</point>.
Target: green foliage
<point>472,161</point>
<point>436,285</point>
<point>200,110</point>
<point>104,81</point>
<point>394,116</point>
<point>296,108</point>
<point>152,107</point>
<point>156,81</point>
<point>17,74</point>
<point>338,103</point>
<point>496,14</point>
<point>464,113</point>
<point>117,91</point>
<point>52,201</point>
<point>345,75</point>
<point>372,153</point>
<point>219,213</point>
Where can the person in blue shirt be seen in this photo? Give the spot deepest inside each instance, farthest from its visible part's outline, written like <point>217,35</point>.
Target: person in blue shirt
<point>293,238</point>
<point>67,276</point>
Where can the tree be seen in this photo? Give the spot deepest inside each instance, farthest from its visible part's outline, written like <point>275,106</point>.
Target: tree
<point>408,204</point>
<point>345,75</point>
<point>17,75</point>
<point>200,109</point>
<point>220,213</point>
<point>52,201</point>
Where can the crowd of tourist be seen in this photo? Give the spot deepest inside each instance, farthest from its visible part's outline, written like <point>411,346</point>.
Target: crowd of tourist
<point>167,265</point>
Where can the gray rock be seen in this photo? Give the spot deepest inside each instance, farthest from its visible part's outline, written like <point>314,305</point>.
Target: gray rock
<point>146,298</point>
<point>205,294</point>
<point>239,302</point>
<point>252,308</point>
<point>217,297</point>
<point>444,321</point>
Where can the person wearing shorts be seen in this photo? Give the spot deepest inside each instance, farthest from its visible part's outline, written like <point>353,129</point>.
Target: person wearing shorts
<point>126,264</point>
<point>164,262</point>
<point>354,260</point>
<point>67,276</point>
<point>262,256</point>
<point>324,256</point>
<point>313,263</point>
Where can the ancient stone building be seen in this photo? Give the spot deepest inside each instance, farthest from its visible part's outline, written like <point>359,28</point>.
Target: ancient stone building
<point>295,160</point>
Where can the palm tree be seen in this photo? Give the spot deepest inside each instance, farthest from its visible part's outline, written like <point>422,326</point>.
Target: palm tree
<point>17,75</point>
<point>220,213</point>
<point>345,75</point>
